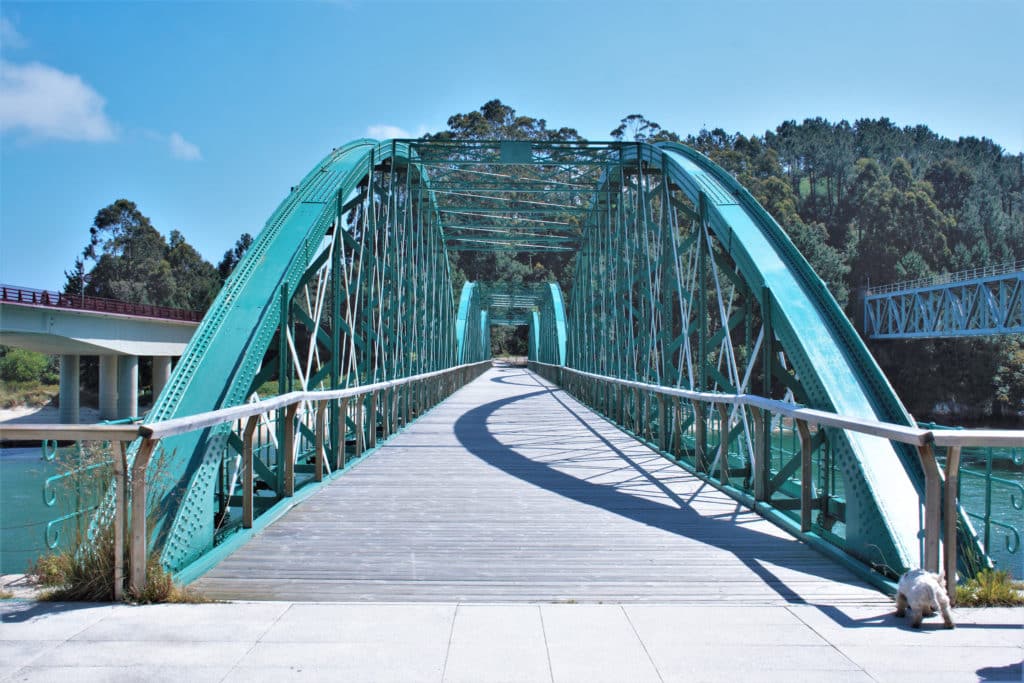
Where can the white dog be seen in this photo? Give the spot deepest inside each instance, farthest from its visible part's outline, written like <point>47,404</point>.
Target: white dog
<point>923,592</point>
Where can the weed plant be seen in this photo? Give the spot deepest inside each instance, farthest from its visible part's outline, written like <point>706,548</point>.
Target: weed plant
<point>83,570</point>
<point>990,588</point>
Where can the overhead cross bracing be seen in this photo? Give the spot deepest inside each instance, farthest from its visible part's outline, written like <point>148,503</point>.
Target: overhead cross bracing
<point>516,196</point>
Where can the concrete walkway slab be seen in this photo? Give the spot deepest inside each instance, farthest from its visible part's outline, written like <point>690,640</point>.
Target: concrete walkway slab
<point>561,643</point>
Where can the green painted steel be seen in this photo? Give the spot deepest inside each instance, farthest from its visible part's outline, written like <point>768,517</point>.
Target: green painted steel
<point>677,268</point>
<point>369,205</point>
<point>679,278</point>
<point>473,334</point>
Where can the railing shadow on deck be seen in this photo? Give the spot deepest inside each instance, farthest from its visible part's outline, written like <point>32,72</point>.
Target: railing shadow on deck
<point>475,435</point>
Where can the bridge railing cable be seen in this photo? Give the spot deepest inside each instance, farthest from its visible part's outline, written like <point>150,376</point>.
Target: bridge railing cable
<point>358,417</point>
<point>706,432</point>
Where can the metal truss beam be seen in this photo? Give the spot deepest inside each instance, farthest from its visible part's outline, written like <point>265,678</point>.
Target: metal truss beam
<point>986,305</point>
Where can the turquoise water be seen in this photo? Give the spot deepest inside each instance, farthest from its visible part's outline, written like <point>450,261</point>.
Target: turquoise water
<point>23,514</point>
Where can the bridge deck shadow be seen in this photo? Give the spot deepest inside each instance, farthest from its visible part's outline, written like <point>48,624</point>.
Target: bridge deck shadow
<point>513,491</point>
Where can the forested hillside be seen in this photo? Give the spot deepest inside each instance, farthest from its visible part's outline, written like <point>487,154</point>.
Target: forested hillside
<point>867,202</point>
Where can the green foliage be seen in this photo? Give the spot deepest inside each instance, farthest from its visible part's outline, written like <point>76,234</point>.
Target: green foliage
<point>990,588</point>
<point>21,365</point>
<point>233,256</point>
<point>131,261</point>
<point>895,204</point>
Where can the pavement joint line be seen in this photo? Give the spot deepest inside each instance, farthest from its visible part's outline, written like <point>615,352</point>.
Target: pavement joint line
<point>547,648</point>
<point>451,636</point>
<point>654,664</point>
<point>830,643</point>
<point>258,639</point>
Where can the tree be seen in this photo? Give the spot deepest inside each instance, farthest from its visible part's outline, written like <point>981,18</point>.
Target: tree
<point>637,128</point>
<point>132,262</point>
<point>233,256</point>
<point>197,282</point>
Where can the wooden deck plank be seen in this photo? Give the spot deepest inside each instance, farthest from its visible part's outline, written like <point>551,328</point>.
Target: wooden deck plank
<point>512,491</point>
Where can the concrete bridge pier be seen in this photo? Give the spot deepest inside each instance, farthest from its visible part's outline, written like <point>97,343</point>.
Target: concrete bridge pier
<point>70,385</point>
<point>161,374</point>
<point>127,386</point>
<point>108,387</point>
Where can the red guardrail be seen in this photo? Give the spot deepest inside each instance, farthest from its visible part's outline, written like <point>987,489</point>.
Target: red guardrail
<point>41,297</point>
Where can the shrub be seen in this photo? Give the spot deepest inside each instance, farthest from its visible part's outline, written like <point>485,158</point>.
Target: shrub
<point>21,365</point>
<point>990,588</point>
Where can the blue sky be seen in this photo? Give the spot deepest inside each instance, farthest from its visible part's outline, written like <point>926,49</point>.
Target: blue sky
<point>205,114</point>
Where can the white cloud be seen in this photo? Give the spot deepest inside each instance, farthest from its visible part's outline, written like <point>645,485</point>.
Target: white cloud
<point>9,36</point>
<point>48,103</point>
<point>383,131</point>
<point>183,149</point>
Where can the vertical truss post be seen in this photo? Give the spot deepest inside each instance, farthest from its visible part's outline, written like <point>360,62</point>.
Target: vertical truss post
<point>283,376</point>
<point>337,442</point>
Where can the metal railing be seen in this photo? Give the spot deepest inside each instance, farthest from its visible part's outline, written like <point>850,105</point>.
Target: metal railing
<point>702,414</point>
<point>376,411</point>
<point>947,278</point>
<point>81,302</point>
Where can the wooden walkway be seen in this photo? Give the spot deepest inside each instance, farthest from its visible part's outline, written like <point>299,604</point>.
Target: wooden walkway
<point>512,491</point>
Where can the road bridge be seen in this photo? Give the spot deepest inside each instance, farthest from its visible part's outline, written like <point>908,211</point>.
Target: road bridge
<point>118,332</point>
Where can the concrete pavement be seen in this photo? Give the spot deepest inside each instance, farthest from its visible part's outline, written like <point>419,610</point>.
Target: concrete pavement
<point>275,641</point>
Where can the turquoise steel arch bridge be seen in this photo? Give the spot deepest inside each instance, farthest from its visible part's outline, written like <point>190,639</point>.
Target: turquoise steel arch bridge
<point>686,317</point>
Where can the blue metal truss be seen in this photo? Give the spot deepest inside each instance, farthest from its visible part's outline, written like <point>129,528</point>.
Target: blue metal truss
<point>987,305</point>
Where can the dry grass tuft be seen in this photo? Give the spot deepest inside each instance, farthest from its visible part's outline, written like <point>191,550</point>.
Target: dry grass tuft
<point>990,588</point>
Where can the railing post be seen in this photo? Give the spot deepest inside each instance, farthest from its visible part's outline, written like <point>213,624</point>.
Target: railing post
<point>248,474</point>
<point>371,421</point>
<point>761,455</point>
<point>677,427</point>
<point>140,538</point>
<point>700,429</point>
<point>341,429</point>
<point>289,449</point>
<point>358,419</point>
<point>723,444</point>
<point>120,516</point>
<point>321,425</point>
<point>932,507</point>
<point>805,475</point>
<point>949,549</point>
<point>662,441</point>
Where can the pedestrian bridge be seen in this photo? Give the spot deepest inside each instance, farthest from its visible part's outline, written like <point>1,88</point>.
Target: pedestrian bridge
<point>684,316</point>
<point>511,490</point>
